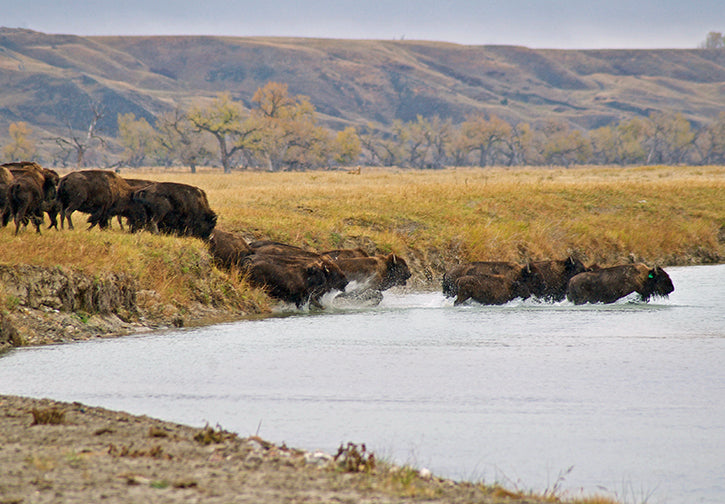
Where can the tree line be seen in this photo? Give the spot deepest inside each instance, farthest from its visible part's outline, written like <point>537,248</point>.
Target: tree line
<point>282,132</point>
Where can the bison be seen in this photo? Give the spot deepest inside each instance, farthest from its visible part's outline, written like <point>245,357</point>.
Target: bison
<point>345,253</point>
<point>175,208</point>
<point>228,249</point>
<point>376,273</point>
<point>133,211</point>
<point>95,192</point>
<point>606,285</point>
<point>282,249</point>
<point>6,178</point>
<point>32,188</point>
<point>556,275</point>
<point>298,280</point>
<point>489,289</point>
<point>528,276</point>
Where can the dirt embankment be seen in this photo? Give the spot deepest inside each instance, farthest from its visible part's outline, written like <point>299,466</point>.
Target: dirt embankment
<point>52,305</point>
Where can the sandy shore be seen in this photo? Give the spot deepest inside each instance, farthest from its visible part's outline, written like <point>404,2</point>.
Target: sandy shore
<point>53,452</point>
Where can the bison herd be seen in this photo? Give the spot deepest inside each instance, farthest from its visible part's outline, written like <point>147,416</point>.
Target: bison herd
<point>287,272</point>
<point>27,191</point>
<point>501,282</point>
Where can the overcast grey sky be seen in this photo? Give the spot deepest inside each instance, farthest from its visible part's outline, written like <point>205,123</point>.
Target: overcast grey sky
<point>575,24</point>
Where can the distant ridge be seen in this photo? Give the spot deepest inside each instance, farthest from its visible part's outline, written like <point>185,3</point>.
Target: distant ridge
<point>48,80</point>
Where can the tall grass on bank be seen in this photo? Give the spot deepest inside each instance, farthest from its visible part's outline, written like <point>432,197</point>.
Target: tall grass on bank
<point>178,269</point>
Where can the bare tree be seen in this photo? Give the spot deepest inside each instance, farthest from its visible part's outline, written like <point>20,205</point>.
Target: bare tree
<point>79,142</point>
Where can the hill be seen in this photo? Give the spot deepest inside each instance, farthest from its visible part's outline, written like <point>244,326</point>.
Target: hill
<point>49,80</point>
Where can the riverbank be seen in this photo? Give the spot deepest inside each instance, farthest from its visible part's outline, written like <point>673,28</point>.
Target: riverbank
<point>436,218</point>
<point>60,452</point>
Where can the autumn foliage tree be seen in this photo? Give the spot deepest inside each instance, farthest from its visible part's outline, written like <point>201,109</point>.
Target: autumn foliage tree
<point>231,125</point>
<point>21,146</point>
<point>137,137</point>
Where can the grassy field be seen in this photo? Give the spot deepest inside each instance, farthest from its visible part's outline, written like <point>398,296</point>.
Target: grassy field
<point>659,215</point>
<point>665,215</point>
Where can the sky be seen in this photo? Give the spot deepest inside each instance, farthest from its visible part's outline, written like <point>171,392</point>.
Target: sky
<point>558,24</point>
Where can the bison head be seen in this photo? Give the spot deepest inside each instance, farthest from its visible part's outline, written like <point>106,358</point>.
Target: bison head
<point>532,280</point>
<point>657,284</point>
<point>397,271</point>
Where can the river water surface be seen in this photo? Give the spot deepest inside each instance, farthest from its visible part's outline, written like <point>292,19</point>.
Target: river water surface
<point>625,399</point>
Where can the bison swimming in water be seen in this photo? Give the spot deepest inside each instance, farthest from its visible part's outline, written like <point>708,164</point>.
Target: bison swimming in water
<point>294,279</point>
<point>606,285</point>
<point>489,289</point>
<point>376,273</point>
<point>531,281</point>
<point>556,275</point>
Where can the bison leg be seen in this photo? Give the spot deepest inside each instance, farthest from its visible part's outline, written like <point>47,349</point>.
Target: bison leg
<point>65,215</point>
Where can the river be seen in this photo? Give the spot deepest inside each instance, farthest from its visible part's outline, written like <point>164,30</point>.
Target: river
<point>625,399</point>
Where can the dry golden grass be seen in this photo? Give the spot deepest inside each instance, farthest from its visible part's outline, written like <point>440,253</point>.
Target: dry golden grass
<point>663,214</point>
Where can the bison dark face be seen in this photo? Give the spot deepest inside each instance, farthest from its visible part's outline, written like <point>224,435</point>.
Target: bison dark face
<point>335,278</point>
<point>657,284</point>
<point>532,281</point>
<point>398,272</point>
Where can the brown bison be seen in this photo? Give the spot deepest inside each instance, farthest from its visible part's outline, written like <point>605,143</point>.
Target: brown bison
<point>228,249</point>
<point>95,192</point>
<point>6,178</point>
<point>298,280</point>
<point>489,289</point>
<point>133,211</point>
<point>32,188</point>
<point>527,275</point>
<point>277,248</point>
<point>556,275</point>
<point>345,253</point>
<point>175,208</point>
<point>376,273</point>
<point>606,285</point>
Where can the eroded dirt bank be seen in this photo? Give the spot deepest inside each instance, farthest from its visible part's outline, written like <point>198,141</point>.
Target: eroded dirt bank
<point>53,305</point>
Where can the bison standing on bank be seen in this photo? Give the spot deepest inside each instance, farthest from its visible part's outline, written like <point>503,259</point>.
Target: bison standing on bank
<point>6,178</point>
<point>32,188</point>
<point>95,192</point>
<point>175,208</point>
<point>606,285</point>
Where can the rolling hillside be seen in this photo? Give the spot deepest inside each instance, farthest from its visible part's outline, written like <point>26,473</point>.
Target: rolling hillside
<point>49,80</point>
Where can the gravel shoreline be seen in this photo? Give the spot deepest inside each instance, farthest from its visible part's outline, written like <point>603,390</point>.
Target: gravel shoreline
<point>54,452</point>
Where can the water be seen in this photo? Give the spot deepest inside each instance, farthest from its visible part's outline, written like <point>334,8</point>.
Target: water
<point>626,399</point>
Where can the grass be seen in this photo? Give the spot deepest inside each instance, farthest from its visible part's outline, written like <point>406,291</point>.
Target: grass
<point>668,215</point>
